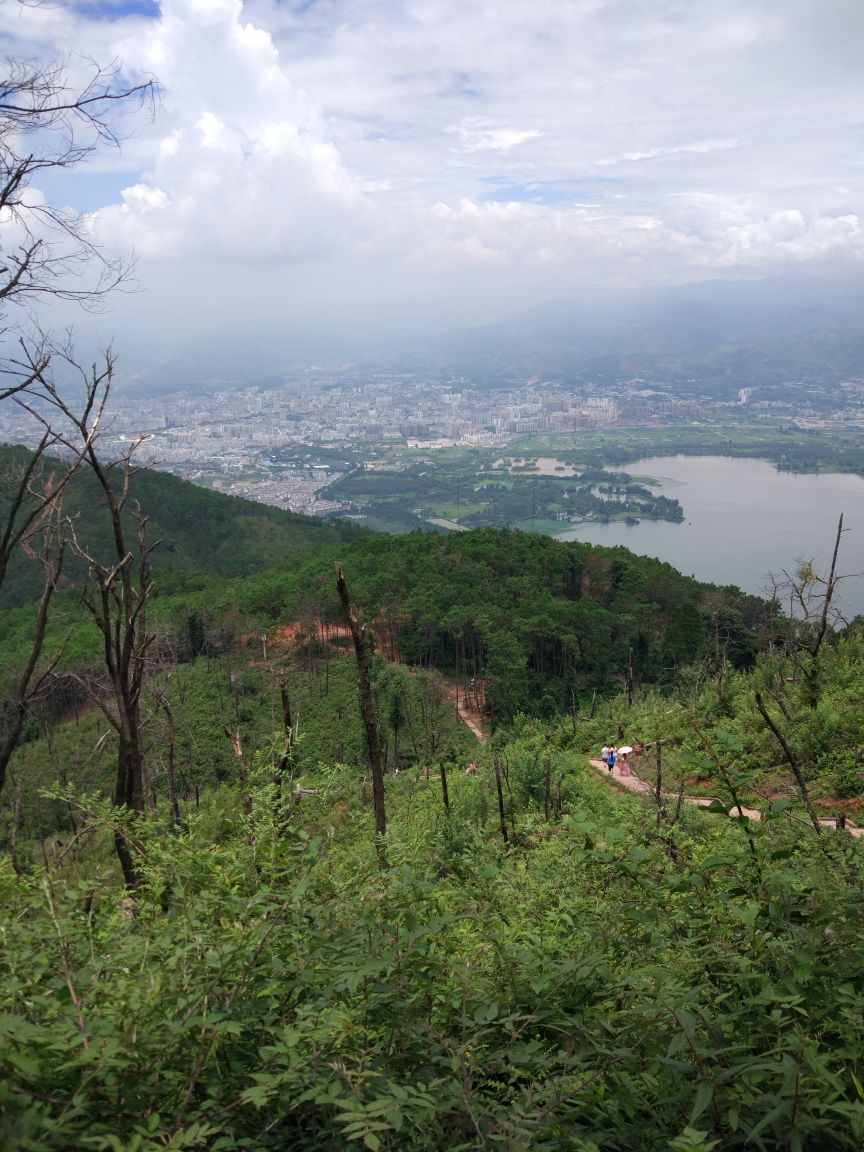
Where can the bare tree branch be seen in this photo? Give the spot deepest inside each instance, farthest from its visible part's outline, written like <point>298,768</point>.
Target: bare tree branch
<point>47,123</point>
<point>792,761</point>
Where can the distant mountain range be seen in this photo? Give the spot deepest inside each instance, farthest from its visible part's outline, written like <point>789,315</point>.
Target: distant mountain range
<point>720,333</point>
<point>235,360</point>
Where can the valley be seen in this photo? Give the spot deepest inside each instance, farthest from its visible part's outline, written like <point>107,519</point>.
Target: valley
<point>399,404</point>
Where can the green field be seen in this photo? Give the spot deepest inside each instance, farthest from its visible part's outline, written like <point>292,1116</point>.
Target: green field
<point>771,440</point>
<point>465,486</point>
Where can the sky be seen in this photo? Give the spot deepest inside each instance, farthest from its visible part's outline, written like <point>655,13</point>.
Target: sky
<point>415,164</point>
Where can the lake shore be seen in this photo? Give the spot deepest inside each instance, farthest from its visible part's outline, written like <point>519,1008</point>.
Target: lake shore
<point>744,520</point>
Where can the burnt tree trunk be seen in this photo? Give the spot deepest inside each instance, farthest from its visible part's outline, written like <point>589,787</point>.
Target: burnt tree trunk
<point>367,708</point>
<point>501,814</point>
<point>287,756</point>
<point>287,723</point>
<point>169,764</point>
<point>444,793</point>
<point>547,788</point>
<point>658,787</point>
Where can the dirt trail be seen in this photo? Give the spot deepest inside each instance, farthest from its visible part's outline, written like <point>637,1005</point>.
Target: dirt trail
<point>635,783</point>
<point>467,708</point>
<point>463,709</point>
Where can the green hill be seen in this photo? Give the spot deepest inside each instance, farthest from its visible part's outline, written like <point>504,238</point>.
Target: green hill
<point>199,531</point>
<point>545,621</point>
<point>540,963</point>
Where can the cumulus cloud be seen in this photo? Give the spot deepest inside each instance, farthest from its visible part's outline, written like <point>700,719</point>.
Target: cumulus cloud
<point>245,170</point>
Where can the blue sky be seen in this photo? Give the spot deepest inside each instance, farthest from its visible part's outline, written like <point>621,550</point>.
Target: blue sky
<point>115,9</point>
<point>452,161</point>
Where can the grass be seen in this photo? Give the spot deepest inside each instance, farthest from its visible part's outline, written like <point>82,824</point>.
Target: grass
<point>454,511</point>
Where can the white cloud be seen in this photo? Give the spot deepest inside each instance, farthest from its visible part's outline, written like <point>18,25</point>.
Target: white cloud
<point>480,136</point>
<point>697,148</point>
<point>243,170</point>
<point>372,147</point>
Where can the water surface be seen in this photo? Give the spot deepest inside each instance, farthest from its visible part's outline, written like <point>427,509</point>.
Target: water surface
<point>744,520</point>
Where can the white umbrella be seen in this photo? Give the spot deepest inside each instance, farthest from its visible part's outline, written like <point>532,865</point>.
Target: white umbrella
<point>625,751</point>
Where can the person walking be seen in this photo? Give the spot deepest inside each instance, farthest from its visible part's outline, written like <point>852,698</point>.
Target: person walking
<point>611,758</point>
<point>624,765</point>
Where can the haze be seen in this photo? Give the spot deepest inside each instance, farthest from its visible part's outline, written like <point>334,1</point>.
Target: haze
<point>361,166</point>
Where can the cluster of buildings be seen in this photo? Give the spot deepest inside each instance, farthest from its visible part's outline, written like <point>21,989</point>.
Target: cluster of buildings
<point>285,444</point>
<point>185,430</point>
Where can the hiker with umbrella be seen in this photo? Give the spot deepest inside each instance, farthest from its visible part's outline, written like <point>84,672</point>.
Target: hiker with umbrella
<point>623,763</point>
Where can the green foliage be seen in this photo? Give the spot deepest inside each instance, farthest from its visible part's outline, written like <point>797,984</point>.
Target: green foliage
<point>199,530</point>
<point>618,978</point>
<point>542,619</point>
<point>272,989</point>
<point>848,778</point>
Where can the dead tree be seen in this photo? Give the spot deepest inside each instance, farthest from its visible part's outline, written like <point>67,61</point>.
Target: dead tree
<point>547,787</point>
<point>367,709</point>
<point>501,816</point>
<point>658,783</point>
<point>116,596</point>
<point>287,723</point>
<point>791,760</point>
<point>242,769</point>
<point>118,586</point>
<point>47,124</point>
<point>815,613</point>
<point>117,605</point>
<point>445,796</point>
<point>32,523</point>
<point>169,762</point>
<point>289,735</point>
<point>504,774</point>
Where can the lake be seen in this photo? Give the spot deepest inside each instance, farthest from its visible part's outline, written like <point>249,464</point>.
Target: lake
<point>743,520</point>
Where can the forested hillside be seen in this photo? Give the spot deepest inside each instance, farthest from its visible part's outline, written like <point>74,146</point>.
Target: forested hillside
<point>527,957</point>
<point>197,531</point>
<point>547,622</point>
